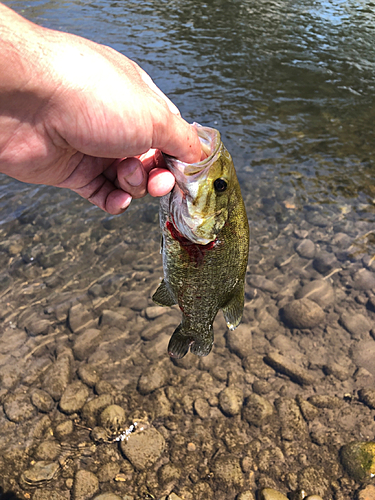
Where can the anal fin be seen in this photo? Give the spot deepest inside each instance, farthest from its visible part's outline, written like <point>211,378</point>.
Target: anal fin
<point>233,309</point>
<point>162,296</point>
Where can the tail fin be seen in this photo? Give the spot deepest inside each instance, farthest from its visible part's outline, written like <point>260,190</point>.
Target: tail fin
<point>181,340</point>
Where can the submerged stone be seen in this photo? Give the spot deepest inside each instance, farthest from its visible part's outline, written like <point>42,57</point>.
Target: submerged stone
<point>358,459</point>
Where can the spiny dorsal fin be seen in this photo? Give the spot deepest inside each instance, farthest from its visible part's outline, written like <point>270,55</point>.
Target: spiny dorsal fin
<point>234,308</point>
<point>162,296</point>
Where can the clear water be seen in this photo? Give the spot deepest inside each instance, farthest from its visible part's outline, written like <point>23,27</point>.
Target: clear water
<point>290,87</point>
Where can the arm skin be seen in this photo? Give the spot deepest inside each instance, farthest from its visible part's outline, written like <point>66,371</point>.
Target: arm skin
<point>79,115</point>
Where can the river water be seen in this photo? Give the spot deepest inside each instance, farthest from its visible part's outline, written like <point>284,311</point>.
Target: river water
<point>290,87</point>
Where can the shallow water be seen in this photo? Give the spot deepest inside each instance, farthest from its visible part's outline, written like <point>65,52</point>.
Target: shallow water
<point>289,85</point>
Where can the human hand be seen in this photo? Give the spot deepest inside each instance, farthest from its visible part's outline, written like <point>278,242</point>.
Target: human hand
<point>79,115</point>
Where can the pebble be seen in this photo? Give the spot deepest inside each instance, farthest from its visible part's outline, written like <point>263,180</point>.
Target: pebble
<point>50,495</point>
<point>40,471</point>
<point>230,401</point>
<point>88,375</point>
<point>42,400</point>
<point>314,497</point>
<point>92,408</point>
<point>314,479</point>
<point>18,408</point>
<point>157,326</point>
<point>79,318</point>
<point>202,408</point>
<point>85,485</point>
<point>37,326</point>
<point>306,249</point>
<point>143,448</point>
<point>357,324</point>
<point>48,451</point>
<point>154,312</point>
<point>257,410</point>
<point>112,418</point>
<point>262,283</point>
<point>337,370</point>
<point>319,291</point>
<point>296,373</point>
<point>169,474</point>
<point>86,343</point>
<point>74,397</point>
<point>363,355</point>
<point>153,378</point>
<point>271,494</point>
<point>109,496</point>
<point>63,429</point>
<point>58,376</point>
<point>325,401</point>
<point>112,318</point>
<point>239,341</point>
<point>367,396</point>
<point>104,387</point>
<point>367,493</point>
<point>136,301</point>
<point>245,495</point>
<point>324,262</point>
<point>108,472</point>
<point>293,425</point>
<point>358,459</point>
<point>228,471</point>
<point>364,280</point>
<point>302,313</point>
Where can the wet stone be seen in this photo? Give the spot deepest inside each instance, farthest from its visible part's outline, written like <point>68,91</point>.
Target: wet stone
<point>47,451</point>
<point>74,397</point>
<point>367,493</point>
<point>86,343</point>
<point>367,396</point>
<point>262,283</point>
<point>63,429</point>
<point>302,313</point>
<point>271,494</point>
<point>112,418</point>
<point>202,408</point>
<point>257,410</point>
<point>325,401</point>
<point>50,495</point>
<point>143,448</point>
<point>85,485</point>
<point>227,470</point>
<point>169,474</point>
<point>94,407</point>
<point>58,376</point>
<point>314,479</point>
<point>18,408</point>
<point>356,324</point>
<point>88,375</point>
<point>337,370</point>
<point>363,355</point>
<point>79,317</point>
<point>230,401</point>
<point>158,326</point>
<point>293,426</point>
<point>112,318</point>
<point>40,472</point>
<point>42,400</point>
<point>38,326</point>
<point>239,341</point>
<point>104,387</point>
<point>245,495</point>
<point>110,496</point>
<point>154,312</point>
<point>154,378</point>
<point>134,300</point>
<point>319,291</point>
<point>296,373</point>
<point>364,280</point>
<point>324,262</point>
<point>108,472</point>
<point>306,249</point>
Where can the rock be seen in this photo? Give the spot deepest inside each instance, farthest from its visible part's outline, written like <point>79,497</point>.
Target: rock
<point>112,318</point>
<point>296,373</point>
<point>153,378</point>
<point>239,341</point>
<point>256,365</point>
<point>88,375</point>
<point>37,326</point>
<point>257,410</point>
<point>227,471</point>
<point>40,472</point>
<point>358,459</point>
<point>42,400</point>
<point>63,429</point>
<point>58,376</point>
<point>302,313</point>
<point>367,493</point>
<point>86,343</point>
<point>154,312</point>
<point>363,355</point>
<point>79,318</point>
<point>85,485</point>
<point>262,283</point>
<point>245,495</point>
<point>143,448</point>
<point>325,401</point>
<point>271,494</point>
<point>50,495</point>
<point>364,280</point>
<point>74,397</point>
<point>162,324</point>
<point>314,497</point>
<point>104,387</point>
<point>169,475</point>
<point>314,479</point>
<point>18,408</point>
<point>136,301</point>
<point>337,370</point>
<point>202,408</point>
<point>48,451</point>
<point>230,401</point>
<point>293,426</point>
<point>319,291</point>
<point>112,418</point>
<point>99,434</point>
<point>306,249</point>
<point>108,472</point>
<point>357,324</point>
<point>110,496</point>
<point>92,408</point>
<point>367,396</point>
<point>325,262</point>
<point>308,411</point>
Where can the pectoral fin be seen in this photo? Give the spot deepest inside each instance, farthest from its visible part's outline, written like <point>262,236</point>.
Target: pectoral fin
<point>234,308</point>
<point>162,296</point>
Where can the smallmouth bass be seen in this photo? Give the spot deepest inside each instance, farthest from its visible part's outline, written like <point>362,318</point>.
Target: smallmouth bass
<point>205,244</point>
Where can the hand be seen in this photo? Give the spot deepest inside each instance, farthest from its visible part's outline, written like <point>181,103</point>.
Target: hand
<point>79,115</point>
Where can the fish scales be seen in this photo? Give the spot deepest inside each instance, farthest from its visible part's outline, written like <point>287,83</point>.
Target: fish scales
<point>205,243</point>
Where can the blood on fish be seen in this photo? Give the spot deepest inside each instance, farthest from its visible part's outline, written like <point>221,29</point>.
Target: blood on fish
<point>196,252</point>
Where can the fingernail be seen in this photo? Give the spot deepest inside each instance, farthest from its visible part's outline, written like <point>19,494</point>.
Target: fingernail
<point>135,178</point>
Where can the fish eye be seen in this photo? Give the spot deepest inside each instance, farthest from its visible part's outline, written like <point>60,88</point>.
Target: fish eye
<point>220,185</point>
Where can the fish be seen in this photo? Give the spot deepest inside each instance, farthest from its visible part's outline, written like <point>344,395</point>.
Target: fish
<point>205,245</point>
